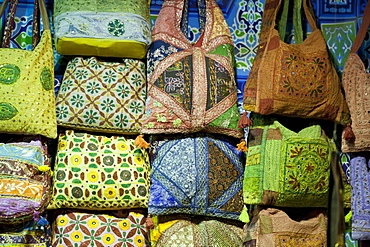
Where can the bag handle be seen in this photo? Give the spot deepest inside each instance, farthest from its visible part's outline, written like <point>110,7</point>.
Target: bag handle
<point>363,29</point>
<point>201,5</point>
<point>10,20</point>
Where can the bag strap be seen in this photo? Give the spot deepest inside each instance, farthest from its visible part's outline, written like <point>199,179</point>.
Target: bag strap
<point>10,20</point>
<point>35,24</point>
<point>201,6</point>
<point>363,29</point>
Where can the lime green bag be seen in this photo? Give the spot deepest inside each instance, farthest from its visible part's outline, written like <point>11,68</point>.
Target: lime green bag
<point>27,101</point>
<point>286,168</point>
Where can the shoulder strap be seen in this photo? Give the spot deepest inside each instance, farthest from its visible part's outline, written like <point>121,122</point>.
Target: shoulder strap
<point>10,20</point>
<point>201,6</point>
<point>363,29</point>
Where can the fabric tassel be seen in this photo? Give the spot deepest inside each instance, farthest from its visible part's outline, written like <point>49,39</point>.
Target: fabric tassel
<point>244,121</point>
<point>149,222</point>
<point>242,146</point>
<point>348,218</point>
<point>140,142</point>
<point>244,216</point>
<point>348,134</point>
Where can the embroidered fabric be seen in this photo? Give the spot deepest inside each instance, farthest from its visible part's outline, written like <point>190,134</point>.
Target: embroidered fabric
<point>192,87</point>
<point>103,25</point>
<point>24,189</point>
<point>197,174</point>
<point>360,202</point>
<point>287,168</point>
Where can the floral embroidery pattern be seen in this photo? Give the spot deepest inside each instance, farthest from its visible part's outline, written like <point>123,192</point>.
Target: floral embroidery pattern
<point>116,27</point>
<point>294,81</point>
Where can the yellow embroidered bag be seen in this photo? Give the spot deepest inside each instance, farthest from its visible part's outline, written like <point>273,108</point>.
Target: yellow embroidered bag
<point>27,101</point>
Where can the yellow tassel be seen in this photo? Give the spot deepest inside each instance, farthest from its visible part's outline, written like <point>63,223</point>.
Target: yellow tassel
<point>140,142</point>
<point>44,168</point>
<point>348,217</point>
<point>242,146</point>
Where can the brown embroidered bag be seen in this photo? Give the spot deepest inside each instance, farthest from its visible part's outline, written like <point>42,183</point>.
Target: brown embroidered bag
<point>356,83</point>
<point>191,87</point>
<point>296,80</point>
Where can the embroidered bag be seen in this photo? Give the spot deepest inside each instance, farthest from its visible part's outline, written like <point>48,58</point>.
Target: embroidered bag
<point>286,168</point>
<point>197,174</point>
<point>99,172</point>
<point>296,80</point>
<point>25,182</point>
<point>105,96</point>
<point>360,177</point>
<point>195,232</point>
<point>274,227</point>
<point>30,235</point>
<point>356,83</point>
<point>191,87</point>
<point>116,28</point>
<point>27,100</point>
<point>89,229</point>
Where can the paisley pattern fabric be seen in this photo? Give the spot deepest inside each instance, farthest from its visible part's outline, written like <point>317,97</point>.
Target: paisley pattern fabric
<point>274,227</point>
<point>192,87</point>
<point>27,102</point>
<point>104,96</point>
<point>196,233</point>
<point>123,26</point>
<point>197,174</point>
<point>287,168</point>
<point>24,187</point>
<point>100,230</point>
<point>98,172</point>
<point>296,80</point>
<point>30,235</point>
<point>360,205</point>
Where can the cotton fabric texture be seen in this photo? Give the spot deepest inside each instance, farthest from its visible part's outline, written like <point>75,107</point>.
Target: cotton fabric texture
<point>25,189</point>
<point>101,173</point>
<point>27,100</point>
<point>356,84</point>
<point>274,227</point>
<point>295,80</point>
<point>191,87</point>
<point>102,95</point>
<point>89,229</point>
<point>196,233</point>
<point>286,168</point>
<point>196,174</point>
<point>119,28</point>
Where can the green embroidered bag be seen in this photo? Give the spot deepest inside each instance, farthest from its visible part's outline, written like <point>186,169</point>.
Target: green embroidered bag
<point>102,95</point>
<point>286,168</point>
<point>98,172</point>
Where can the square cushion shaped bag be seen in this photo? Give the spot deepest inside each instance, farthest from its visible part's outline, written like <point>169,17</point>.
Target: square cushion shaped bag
<point>25,182</point>
<point>294,80</point>
<point>191,87</point>
<point>102,95</point>
<point>356,83</point>
<point>27,100</point>
<point>274,227</point>
<point>116,28</point>
<point>197,174</point>
<point>121,228</point>
<point>99,172</point>
<point>287,168</point>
